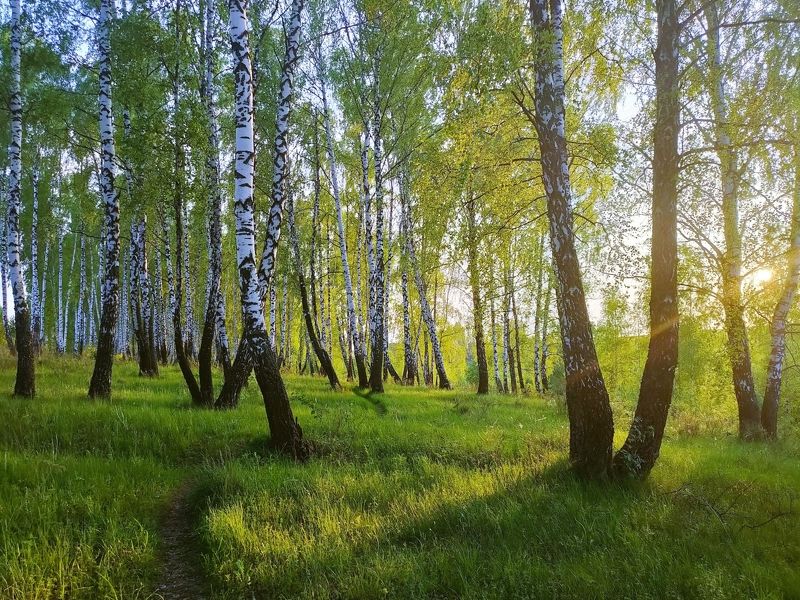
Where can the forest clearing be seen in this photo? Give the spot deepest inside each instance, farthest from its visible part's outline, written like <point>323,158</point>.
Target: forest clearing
<point>399,298</point>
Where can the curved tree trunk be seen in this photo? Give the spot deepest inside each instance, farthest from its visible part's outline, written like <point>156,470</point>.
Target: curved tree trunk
<point>286,434</point>
<point>322,354</point>
<point>591,421</point>
<point>640,451</point>
<point>427,315</point>
<point>100,386</point>
<point>25,384</point>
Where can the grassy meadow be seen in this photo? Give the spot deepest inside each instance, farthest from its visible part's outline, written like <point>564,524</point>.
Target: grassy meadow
<point>411,494</point>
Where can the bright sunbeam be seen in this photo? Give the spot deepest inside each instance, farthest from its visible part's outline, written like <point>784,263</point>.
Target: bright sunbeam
<point>761,277</point>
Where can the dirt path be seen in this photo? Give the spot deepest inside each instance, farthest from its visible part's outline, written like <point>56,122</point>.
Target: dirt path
<point>181,575</point>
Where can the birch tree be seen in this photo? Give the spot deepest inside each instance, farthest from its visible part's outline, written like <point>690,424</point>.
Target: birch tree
<point>287,436</point>
<point>25,383</point>
<point>591,422</point>
<point>100,385</point>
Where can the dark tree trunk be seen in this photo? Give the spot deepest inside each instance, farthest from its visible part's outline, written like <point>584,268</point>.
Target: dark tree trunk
<point>639,453</point>
<point>591,421</point>
<point>477,300</point>
<point>235,378</point>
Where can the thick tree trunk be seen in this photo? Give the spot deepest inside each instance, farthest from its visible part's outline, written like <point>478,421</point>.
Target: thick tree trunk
<point>286,434</point>
<point>25,384</point>
<point>639,453</point>
<point>769,410</point>
<point>148,361</point>
<point>591,421</point>
<point>100,386</point>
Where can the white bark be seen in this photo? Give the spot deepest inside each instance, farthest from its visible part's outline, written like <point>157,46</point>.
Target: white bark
<point>348,282</point>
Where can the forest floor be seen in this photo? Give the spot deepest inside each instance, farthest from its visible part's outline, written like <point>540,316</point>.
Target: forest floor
<point>415,494</point>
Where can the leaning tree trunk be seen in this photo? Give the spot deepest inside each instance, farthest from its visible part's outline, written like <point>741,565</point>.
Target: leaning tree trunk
<point>591,421</point>
<point>640,451</point>
<point>363,382</point>
<point>214,318</point>
<point>287,436</point>
<point>427,315</point>
<point>735,328</point>
<point>25,384</point>
<point>769,410</point>
<point>100,386</point>
<point>477,300</point>
<point>322,354</point>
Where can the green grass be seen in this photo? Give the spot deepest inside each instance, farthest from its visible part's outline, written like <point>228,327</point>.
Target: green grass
<point>412,494</point>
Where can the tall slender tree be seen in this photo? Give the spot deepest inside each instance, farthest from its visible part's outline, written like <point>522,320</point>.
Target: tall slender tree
<point>100,385</point>
<point>25,384</point>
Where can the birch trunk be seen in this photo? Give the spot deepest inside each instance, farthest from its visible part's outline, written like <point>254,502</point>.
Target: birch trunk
<point>363,381</point>
<point>43,301</point>
<point>769,410</point>
<point>477,300</point>
<point>214,318</point>
<point>409,356</point>
<point>4,264</point>
<point>25,384</point>
<point>376,309</point>
<point>537,320</point>
<point>319,350</point>
<point>36,313</point>
<point>639,453</point>
<point>60,297</point>
<point>100,386</point>
<point>545,346</point>
<point>287,436</point>
<point>735,328</point>
<point>591,421</point>
<point>427,315</point>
